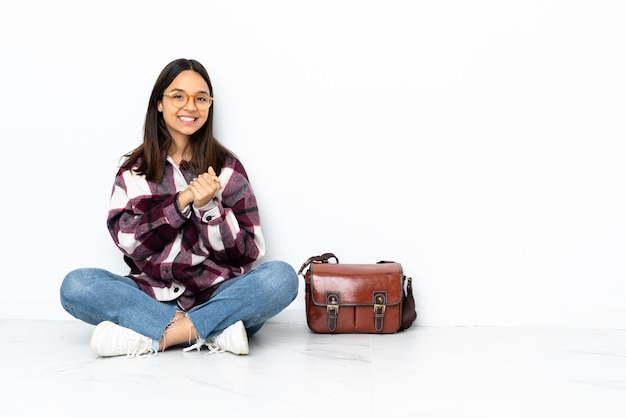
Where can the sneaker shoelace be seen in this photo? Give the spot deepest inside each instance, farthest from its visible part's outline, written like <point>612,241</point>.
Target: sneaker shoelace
<point>210,344</point>
<point>141,348</point>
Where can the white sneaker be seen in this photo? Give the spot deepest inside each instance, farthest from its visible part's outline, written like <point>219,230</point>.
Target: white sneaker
<point>233,339</point>
<point>109,339</point>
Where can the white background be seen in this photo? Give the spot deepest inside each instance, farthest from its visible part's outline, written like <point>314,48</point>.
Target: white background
<point>479,143</point>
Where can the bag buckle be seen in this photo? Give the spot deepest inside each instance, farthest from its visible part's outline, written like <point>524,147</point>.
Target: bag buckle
<point>332,309</point>
<point>380,306</point>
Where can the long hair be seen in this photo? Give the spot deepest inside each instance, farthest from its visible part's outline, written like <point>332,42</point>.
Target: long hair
<point>152,153</point>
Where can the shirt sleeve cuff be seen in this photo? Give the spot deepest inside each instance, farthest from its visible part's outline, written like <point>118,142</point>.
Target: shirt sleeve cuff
<point>207,212</point>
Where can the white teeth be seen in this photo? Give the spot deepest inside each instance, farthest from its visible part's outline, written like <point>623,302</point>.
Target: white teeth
<point>187,119</point>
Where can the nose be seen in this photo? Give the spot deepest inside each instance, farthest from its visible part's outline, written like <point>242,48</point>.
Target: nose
<point>191,103</point>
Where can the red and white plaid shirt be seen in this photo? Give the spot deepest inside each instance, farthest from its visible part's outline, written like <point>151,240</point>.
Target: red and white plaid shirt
<point>182,254</point>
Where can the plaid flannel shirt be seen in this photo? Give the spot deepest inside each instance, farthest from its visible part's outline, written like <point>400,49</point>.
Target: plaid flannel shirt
<point>181,254</point>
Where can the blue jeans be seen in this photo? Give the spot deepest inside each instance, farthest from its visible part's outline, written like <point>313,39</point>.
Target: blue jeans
<point>95,295</point>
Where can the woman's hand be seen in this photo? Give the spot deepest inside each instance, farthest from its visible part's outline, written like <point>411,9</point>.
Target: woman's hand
<point>204,188</point>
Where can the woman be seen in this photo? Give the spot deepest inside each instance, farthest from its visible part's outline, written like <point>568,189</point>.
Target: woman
<point>185,217</point>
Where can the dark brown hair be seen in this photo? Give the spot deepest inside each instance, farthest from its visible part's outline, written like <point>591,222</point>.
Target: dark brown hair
<point>152,153</point>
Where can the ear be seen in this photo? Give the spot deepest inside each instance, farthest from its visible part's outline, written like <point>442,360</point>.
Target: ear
<point>160,106</point>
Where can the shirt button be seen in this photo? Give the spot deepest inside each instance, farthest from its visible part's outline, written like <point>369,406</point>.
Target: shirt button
<point>176,289</point>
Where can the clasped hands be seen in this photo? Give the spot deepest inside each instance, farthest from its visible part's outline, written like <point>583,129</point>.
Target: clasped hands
<point>201,190</point>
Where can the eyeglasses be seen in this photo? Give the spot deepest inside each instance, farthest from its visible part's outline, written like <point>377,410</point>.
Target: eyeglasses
<point>179,99</point>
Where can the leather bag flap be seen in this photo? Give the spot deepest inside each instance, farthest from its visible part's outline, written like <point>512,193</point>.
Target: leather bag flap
<point>356,283</point>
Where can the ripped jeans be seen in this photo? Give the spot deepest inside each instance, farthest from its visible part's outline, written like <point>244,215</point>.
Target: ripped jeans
<point>94,295</point>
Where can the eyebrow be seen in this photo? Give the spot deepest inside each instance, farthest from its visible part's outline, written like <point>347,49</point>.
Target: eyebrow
<point>199,92</point>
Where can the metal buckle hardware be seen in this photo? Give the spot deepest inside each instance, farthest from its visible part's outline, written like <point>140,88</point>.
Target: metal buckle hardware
<point>332,304</point>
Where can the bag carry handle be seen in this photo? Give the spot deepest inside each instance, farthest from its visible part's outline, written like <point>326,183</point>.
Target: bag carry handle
<point>318,259</point>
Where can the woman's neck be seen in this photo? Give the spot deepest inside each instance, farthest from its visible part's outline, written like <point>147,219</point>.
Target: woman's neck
<point>179,151</point>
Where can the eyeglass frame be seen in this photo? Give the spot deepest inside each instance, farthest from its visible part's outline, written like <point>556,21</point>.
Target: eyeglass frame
<point>188,96</point>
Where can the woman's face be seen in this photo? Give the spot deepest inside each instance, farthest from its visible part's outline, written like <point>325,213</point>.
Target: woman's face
<point>185,105</point>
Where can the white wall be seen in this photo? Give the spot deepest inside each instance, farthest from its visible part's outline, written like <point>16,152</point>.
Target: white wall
<point>480,143</point>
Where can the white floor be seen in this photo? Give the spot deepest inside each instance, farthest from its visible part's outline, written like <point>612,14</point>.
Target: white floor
<point>49,371</point>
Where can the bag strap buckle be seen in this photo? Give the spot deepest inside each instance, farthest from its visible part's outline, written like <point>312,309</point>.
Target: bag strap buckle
<point>380,306</point>
<point>332,309</point>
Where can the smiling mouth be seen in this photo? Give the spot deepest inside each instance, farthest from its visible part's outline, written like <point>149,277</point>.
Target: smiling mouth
<point>187,118</point>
